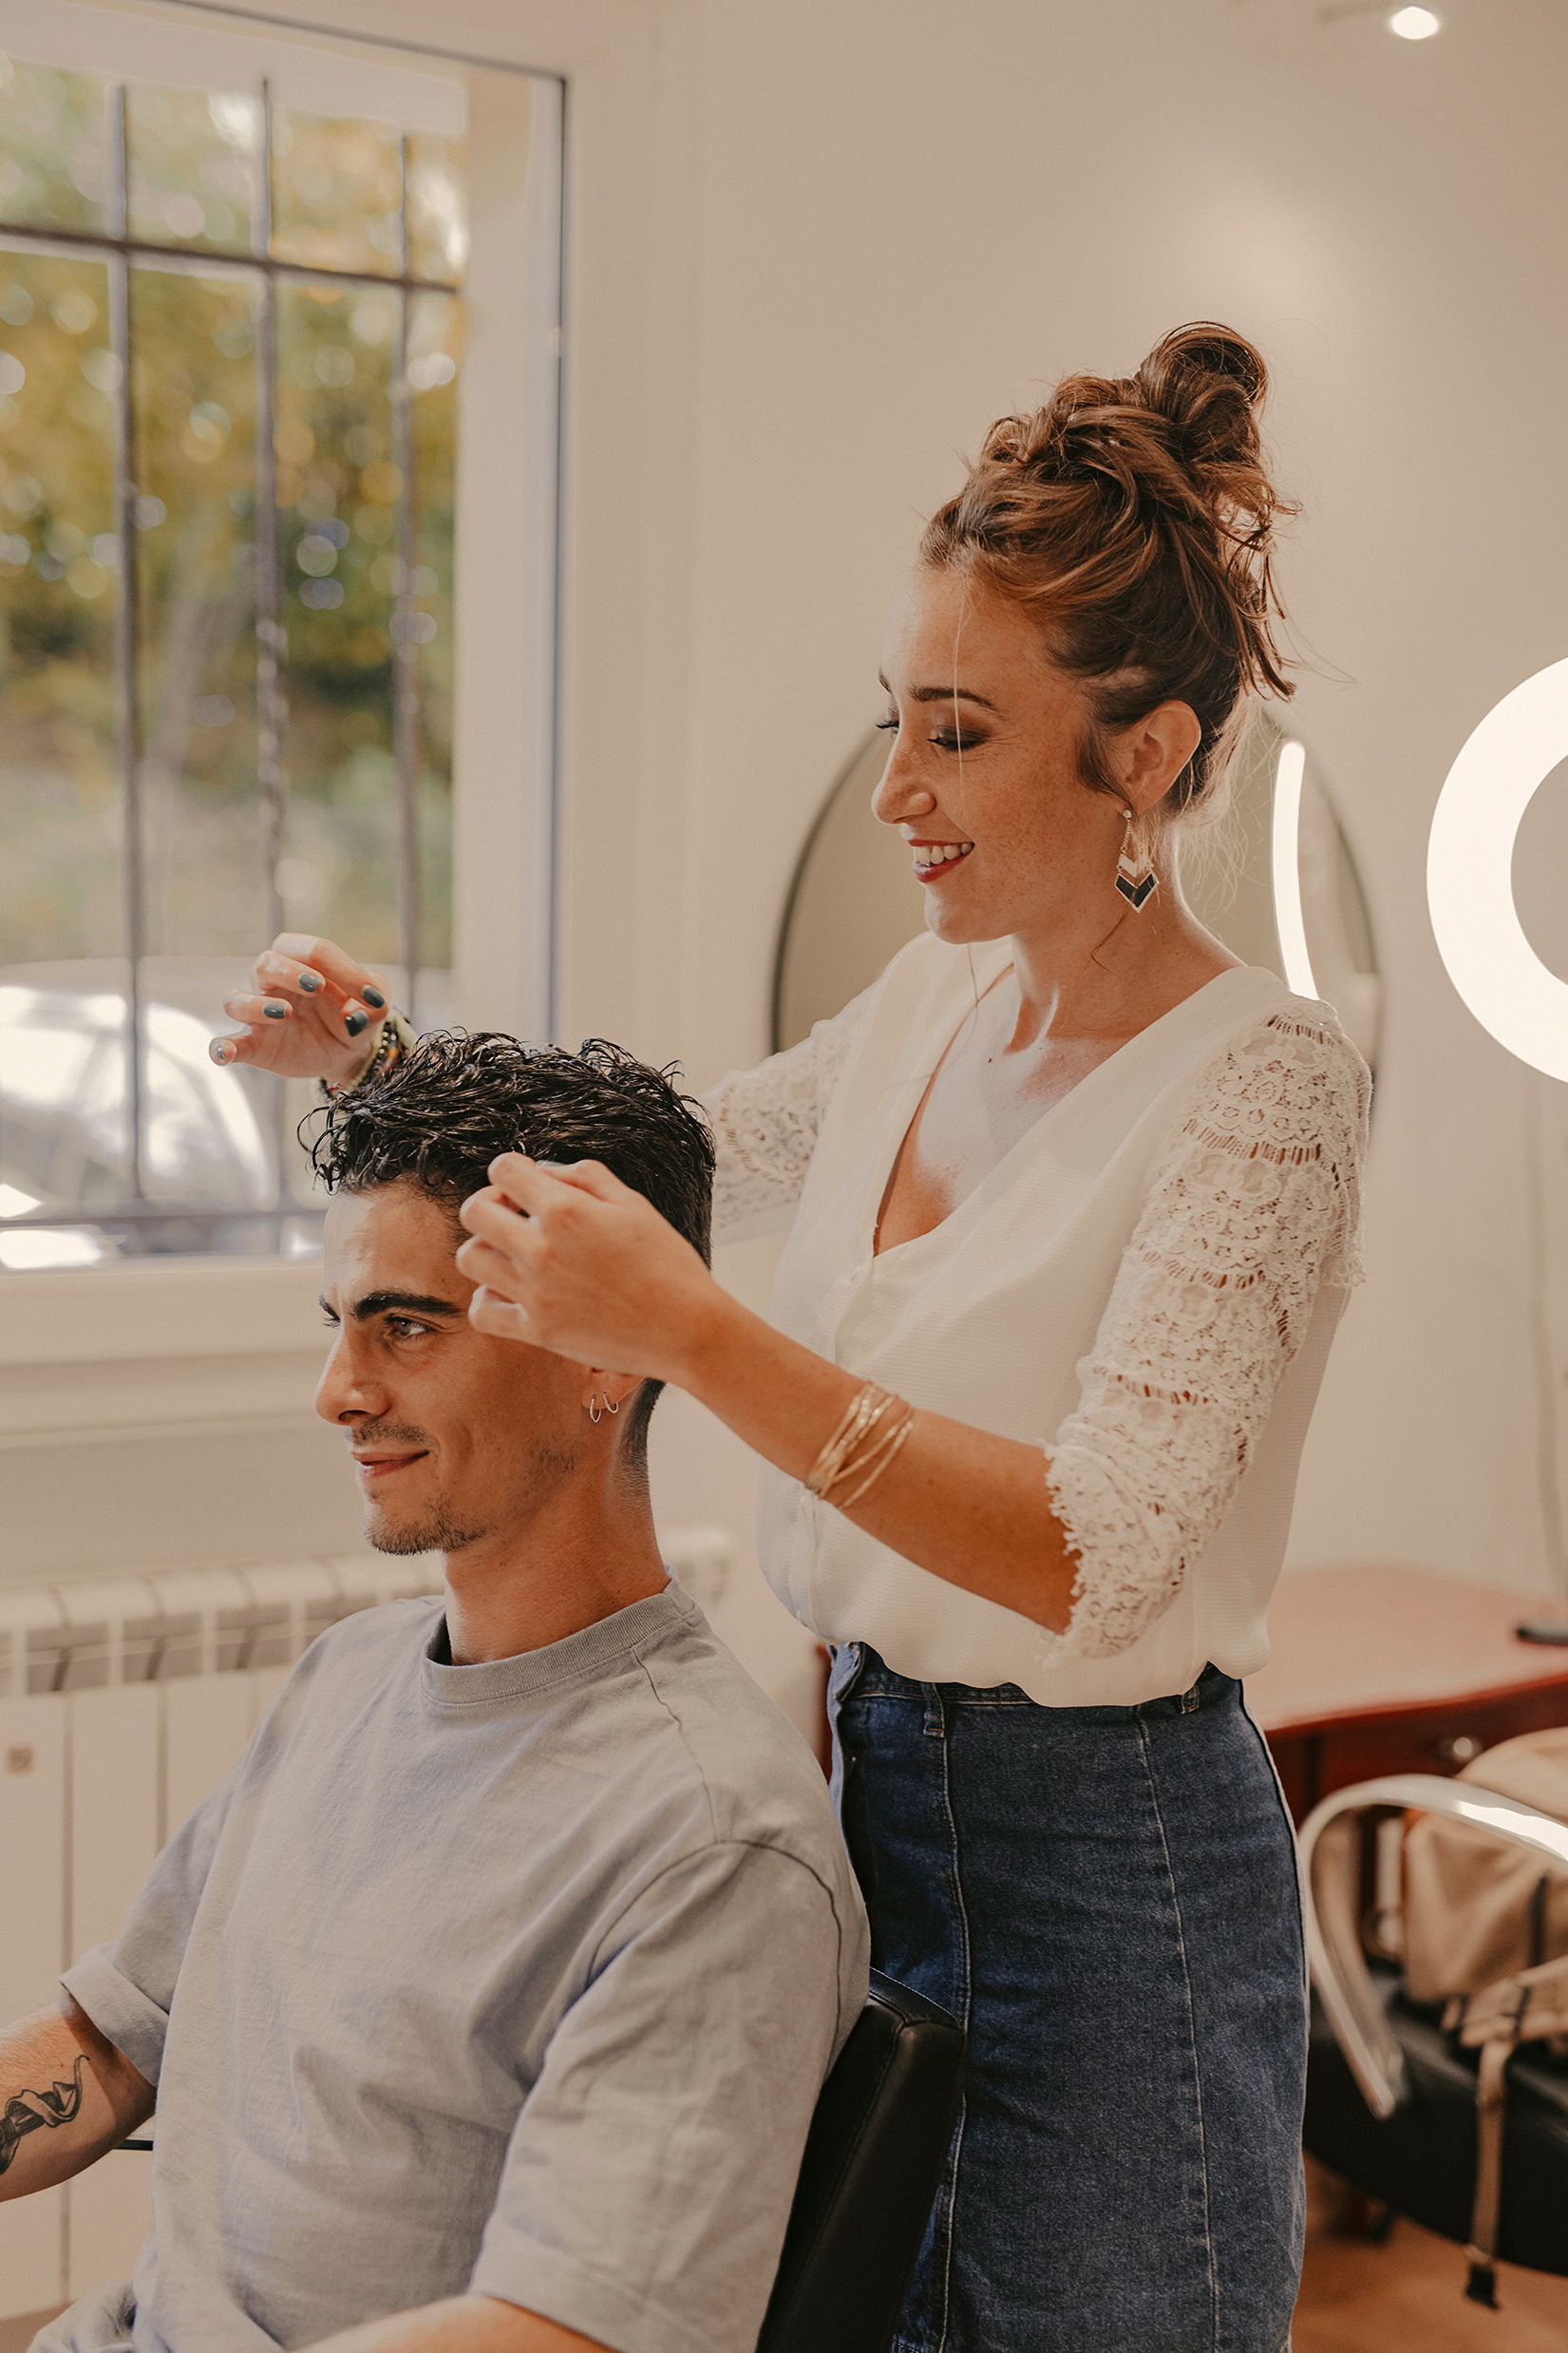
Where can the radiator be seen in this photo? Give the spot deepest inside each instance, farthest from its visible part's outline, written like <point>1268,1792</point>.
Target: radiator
<point>122,1702</point>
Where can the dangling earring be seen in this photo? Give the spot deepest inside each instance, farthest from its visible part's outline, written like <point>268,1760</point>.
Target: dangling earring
<point>594,1414</point>
<point>1136,885</point>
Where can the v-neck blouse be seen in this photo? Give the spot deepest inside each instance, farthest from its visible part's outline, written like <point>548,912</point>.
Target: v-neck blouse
<point>1144,1285</point>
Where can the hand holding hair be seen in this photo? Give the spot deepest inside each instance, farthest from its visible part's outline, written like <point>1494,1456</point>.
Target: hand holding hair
<point>569,1259</point>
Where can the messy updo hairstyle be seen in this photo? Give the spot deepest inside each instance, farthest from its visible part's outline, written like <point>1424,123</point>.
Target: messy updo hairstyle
<point>1134,515</point>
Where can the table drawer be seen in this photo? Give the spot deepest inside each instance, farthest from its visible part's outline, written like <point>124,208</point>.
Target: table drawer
<point>1315,1760</point>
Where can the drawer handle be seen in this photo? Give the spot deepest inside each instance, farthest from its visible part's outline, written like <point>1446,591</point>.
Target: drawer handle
<point>1458,1748</point>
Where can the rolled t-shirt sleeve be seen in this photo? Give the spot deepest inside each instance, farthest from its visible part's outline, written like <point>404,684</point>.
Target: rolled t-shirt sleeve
<point>126,1985</point>
<point>650,2174</point>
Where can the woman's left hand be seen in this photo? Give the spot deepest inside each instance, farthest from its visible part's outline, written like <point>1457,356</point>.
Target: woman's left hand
<point>590,1269</point>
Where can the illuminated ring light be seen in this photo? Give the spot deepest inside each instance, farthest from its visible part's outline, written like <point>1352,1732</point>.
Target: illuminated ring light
<point>1469,872</point>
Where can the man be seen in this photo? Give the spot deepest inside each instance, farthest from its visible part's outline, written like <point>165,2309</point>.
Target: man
<point>494,1986</point>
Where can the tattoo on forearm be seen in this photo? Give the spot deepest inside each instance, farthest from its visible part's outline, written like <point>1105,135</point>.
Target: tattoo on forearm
<point>61,2105</point>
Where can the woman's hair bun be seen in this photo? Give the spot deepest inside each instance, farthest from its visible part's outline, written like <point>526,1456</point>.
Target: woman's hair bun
<point>1135,515</point>
<point>1209,383</point>
<point>1204,349</point>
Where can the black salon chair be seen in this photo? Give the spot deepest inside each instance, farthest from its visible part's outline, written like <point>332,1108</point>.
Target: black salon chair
<point>1391,2098</point>
<point>872,2160</point>
<point>1419,2160</point>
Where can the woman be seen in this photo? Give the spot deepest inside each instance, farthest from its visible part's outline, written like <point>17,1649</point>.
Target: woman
<point>1072,1198</point>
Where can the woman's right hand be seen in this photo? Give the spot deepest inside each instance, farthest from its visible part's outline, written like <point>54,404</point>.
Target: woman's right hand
<point>311,1013</point>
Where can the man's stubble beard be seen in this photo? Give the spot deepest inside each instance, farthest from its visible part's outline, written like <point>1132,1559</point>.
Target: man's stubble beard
<point>440,1528</point>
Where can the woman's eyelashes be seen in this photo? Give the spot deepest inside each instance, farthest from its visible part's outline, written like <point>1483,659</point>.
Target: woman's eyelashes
<point>945,741</point>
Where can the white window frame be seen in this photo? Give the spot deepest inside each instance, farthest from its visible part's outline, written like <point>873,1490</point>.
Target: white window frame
<point>151,1315</point>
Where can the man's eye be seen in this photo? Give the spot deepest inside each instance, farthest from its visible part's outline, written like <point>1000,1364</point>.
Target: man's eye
<point>405,1327</point>
<point>955,743</point>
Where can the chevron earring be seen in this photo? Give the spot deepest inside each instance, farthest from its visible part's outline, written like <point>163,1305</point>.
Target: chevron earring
<point>1137,884</point>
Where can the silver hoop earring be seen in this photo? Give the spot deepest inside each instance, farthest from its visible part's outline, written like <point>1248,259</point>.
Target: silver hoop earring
<point>1136,885</point>
<point>612,1405</point>
<point>594,1414</point>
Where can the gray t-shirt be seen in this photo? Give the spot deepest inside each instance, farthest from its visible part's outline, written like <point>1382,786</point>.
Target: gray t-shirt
<point>521,1977</point>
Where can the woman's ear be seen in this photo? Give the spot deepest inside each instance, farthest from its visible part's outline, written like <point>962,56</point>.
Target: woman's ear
<point>1153,752</point>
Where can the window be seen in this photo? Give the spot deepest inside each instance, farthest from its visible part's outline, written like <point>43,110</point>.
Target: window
<point>232,360</point>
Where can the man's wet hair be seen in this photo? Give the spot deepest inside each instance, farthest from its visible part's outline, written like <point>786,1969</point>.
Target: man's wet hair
<point>443,1114</point>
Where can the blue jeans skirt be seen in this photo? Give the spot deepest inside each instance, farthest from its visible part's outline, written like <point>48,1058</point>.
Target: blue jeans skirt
<point>1106,1898</point>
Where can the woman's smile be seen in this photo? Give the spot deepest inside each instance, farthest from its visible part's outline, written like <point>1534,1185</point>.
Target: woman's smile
<point>932,858</point>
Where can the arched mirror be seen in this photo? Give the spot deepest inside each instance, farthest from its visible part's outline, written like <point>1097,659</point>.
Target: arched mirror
<point>1276,879</point>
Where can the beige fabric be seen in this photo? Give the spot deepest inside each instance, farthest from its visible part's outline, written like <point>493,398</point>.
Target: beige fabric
<point>1485,1930</point>
<point>1475,1910</point>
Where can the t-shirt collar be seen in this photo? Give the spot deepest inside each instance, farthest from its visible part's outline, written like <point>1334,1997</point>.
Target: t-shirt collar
<point>533,1671</point>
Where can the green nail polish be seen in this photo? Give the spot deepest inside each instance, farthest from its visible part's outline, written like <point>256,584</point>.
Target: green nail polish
<point>354,1023</point>
<point>275,1013</point>
<point>374,996</point>
<point>309,981</point>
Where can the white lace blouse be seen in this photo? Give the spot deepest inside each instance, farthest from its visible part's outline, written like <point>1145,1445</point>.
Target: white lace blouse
<point>1145,1285</point>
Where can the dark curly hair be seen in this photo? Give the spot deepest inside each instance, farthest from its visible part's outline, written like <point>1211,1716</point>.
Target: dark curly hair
<point>444,1112</point>
<point>1135,515</point>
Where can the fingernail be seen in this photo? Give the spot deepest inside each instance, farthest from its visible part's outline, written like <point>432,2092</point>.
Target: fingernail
<point>218,1051</point>
<point>275,1013</point>
<point>309,981</point>
<point>374,996</point>
<point>354,1023</point>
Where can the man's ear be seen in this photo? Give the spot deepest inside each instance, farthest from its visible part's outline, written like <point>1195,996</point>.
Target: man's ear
<point>608,1391</point>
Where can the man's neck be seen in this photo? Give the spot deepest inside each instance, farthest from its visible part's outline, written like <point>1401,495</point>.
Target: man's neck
<point>581,1559</point>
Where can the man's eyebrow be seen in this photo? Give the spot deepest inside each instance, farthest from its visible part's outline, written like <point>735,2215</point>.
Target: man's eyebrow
<point>398,1303</point>
<point>941,694</point>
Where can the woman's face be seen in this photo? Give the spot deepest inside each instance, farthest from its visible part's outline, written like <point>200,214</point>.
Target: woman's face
<point>983,776</point>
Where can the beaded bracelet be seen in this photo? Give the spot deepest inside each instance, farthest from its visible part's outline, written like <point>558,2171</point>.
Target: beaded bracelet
<point>398,1037</point>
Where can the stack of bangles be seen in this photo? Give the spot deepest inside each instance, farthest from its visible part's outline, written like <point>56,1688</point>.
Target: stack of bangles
<point>863,1445</point>
<point>398,1037</point>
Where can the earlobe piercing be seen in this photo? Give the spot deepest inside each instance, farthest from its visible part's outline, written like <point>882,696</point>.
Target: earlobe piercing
<point>594,1414</point>
<point>612,1405</point>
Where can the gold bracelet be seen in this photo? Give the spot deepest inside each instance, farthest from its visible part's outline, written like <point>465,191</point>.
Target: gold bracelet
<point>879,1457</point>
<point>865,1409</point>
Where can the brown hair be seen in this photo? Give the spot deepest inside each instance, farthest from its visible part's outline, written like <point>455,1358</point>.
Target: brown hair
<point>1135,515</point>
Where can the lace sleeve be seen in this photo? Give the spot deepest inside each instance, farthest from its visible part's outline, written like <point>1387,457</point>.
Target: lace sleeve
<point>1256,1206</point>
<point>764,1123</point>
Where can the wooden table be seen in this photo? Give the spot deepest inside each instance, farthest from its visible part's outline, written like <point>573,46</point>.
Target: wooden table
<point>1379,1668</point>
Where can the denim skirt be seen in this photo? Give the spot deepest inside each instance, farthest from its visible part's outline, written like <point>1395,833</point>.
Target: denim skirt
<point>1106,1898</point>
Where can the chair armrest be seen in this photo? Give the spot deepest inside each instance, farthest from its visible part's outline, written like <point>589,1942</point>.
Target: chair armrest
<point>1330,1853</point>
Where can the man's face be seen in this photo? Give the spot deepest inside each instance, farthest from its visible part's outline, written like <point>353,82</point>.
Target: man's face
<point>456,1436</point>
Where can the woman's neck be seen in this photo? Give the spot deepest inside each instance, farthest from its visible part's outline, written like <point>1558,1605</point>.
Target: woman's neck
<point>1112,980</point>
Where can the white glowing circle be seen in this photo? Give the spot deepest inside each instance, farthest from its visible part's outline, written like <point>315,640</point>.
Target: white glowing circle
<point>1470,877</point>
<point>1414,24</point>
<point>1290,918</point>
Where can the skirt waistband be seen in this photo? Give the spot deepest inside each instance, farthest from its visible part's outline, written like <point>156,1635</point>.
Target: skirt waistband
<point>860,1671</point>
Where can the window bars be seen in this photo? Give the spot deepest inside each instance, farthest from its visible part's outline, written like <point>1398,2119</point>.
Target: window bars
<point>165,1222</point>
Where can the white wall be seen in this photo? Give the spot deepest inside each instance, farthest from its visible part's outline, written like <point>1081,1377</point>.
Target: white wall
<point>815,248</point>
<point>894,219</point>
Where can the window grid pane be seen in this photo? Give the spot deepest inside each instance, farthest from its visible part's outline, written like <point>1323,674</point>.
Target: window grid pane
<point>258,550</point>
